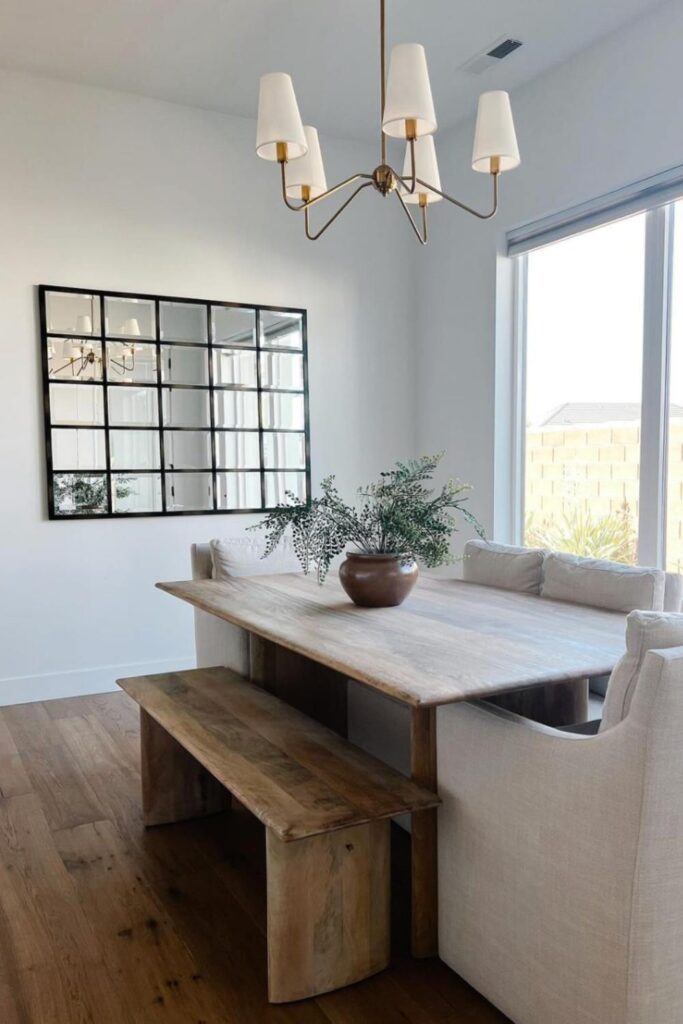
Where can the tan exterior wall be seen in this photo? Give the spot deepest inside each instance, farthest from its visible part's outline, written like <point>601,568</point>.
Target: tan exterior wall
<point>596,468</point>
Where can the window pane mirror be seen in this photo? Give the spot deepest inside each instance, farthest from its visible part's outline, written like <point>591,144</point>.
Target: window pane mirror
<point>78,449</point>
<point>136,492</point>
<point>134,449</point>
<point>281,329</point>
<point>126,317</point>
<point>239,491</point>
<point>74,359</point>
<point>185,407</point>
<point>163,406</point>
<point>234,368</point>
<point>72,313</point>
<point>233,325</point>
<point>131,362</point>
<point>183,364</point>
<point>80,494</point>
<point>183,321</point>
<point>238,449</point>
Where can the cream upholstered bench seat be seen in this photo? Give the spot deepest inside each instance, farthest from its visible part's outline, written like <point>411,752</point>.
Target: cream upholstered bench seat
<point>326,806</point>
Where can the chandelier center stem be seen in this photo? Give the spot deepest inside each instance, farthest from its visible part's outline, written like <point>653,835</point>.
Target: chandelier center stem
<point>383,79</point>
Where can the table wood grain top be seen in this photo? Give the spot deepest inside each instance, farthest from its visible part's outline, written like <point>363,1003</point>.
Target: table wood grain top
<point>449,641</point>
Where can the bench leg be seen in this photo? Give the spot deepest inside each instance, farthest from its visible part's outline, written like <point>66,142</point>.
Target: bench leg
<point>174,785</point>
<point>328,910</point>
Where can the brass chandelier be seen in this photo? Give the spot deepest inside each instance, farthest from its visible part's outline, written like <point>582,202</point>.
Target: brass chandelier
<point>407,112</point>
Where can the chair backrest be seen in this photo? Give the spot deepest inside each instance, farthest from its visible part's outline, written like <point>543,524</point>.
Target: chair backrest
<point>673,592</point>
<point>202,565</point>
<point>243,556</point>
<point>503,565</point>
<point>602,584</point>
<point>218,642</point>
<point>645,631</point>
<point>656,715</point>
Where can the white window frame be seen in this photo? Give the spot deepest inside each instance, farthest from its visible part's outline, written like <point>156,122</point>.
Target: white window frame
<point>655,198</point>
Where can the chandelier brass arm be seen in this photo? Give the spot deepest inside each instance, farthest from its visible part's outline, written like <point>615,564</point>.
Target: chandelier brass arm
<point>314,238</point>
<point>463,206</point>
<point>307,202</point>
<point>422,238</point>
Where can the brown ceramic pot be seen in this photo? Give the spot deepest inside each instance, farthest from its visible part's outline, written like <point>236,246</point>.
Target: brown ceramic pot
<point>377,581</point>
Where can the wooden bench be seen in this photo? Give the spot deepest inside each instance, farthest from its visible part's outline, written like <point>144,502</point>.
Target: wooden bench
<point>326,805</point>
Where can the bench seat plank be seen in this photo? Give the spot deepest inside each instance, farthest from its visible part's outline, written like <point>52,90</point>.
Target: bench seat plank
<point>298,777</point>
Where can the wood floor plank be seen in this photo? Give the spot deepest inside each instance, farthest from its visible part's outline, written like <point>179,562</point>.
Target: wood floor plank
<point>378,999</point>
<point>70,994</point>
<point>159,978</point>
<point>7,744</point>
<point>115,714</point>
<point>30,726</point>
<point>40,917</point>
<point>99,750</point>
<point>230,947</point>
<point>13,778</point>
<point>66,796</point>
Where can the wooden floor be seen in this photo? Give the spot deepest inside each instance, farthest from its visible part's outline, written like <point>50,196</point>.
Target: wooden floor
<point>102,922</point>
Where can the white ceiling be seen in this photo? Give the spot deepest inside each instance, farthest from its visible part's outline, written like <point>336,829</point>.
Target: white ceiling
<point>210,53</point>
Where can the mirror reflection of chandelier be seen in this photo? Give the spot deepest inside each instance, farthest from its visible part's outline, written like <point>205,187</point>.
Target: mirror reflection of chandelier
<point>407,111</point>
<point>80,352</point>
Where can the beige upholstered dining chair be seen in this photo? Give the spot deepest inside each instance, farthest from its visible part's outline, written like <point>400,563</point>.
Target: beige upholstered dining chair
<point>561,856</point>
<point>218,642</point>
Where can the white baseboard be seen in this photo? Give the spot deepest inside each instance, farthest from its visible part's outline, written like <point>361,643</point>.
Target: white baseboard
<point>80,682</point>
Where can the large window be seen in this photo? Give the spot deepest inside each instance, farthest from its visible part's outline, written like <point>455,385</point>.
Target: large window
<point>600,406</point>
<point>674,490</point>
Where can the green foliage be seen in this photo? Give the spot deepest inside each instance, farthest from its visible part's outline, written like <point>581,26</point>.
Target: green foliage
<point>578,533</point>
<point>86,492</point>
<point>398,515</point>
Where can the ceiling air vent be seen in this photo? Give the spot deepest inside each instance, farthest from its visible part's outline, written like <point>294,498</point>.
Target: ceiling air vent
<point>498,51</point>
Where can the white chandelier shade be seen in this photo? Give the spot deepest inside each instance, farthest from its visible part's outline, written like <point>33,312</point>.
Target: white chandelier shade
<point>426,168</point>
<point>409,94</point>
<point>307,172</point>
<point>494,135</point>
<point>84,324</point>
<point>131,327</point>
<point>279,120</point>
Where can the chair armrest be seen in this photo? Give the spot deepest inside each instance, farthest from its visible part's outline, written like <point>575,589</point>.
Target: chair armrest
<point>517,779</point>
<point>583,728</point>
<point>537,837</point>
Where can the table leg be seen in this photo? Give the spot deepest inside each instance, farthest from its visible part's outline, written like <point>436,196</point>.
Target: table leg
<point>554,704</point>
<point>318,691</point>
<point>424,920</point>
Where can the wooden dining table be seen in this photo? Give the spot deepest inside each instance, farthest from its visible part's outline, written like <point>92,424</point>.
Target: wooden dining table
<point>450,641</point>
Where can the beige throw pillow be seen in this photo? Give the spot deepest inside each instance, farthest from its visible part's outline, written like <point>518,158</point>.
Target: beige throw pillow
<point>503,565</point>
<point>243,556</point>
<point>592,581</point>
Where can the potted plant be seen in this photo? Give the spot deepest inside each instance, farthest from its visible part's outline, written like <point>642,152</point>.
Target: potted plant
<point>394,523</point>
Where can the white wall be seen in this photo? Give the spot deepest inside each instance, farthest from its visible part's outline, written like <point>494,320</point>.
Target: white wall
<point>112,191</point>
<point>610,116</point>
